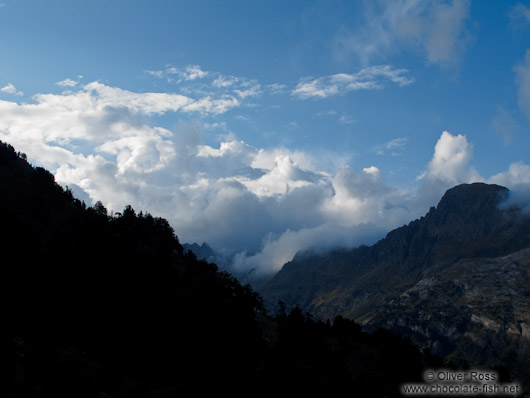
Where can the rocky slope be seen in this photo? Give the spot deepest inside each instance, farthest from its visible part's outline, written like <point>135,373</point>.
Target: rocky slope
<point>455,280</point>
<point>475,310</point>
<point>466,223</point>
<point>488,292</point>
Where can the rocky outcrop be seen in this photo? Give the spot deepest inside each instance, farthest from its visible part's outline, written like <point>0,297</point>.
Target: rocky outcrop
<point>467,298</point>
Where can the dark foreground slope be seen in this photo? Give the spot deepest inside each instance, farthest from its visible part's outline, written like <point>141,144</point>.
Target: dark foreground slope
<point>111,306</point>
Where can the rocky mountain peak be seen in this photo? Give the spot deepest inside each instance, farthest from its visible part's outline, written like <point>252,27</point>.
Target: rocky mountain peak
<point>467,223</point>
<point>469,203</point>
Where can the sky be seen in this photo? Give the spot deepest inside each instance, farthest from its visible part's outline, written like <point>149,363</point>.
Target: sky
<point>268,127</point>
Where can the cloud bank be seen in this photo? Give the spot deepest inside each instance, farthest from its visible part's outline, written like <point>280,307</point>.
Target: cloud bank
<point>257,206</point>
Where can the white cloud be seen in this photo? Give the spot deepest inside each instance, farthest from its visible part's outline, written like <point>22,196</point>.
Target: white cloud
<point>282,178</point>
<point>262,204</point>
<point>277,251</point>
<point>452,155</point>
<point>67,83</point>
<point>517,179</point>
<point>236,197</point>
<point>192,79</point>
<point>10,89</point>
<point>517,174</point>
<point>449,166</point>
<point>370,78</point>
<point>149,103</point>
<point>249,91</point>
<point>177,75</point>
<point>433,28</point>
<point>211,105</point>
<point>224,81</point>
<point>194,72</point>
<point>98,113</point>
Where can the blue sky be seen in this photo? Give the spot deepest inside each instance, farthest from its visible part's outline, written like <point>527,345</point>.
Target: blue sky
<point>267,127</point>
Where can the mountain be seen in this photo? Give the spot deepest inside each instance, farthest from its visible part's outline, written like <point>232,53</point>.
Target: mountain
<point>447,279</point>
<point>99,305</point>
<point>466,223</point>
<point>205,252</point>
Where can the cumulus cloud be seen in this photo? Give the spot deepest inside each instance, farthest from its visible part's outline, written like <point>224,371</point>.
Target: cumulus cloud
<point>98,112</point>
<point>433,28</point>
<point>67,83</point>
<point>449,166</point>
<point>452,155</point>
<point>99,137</point>
<point>258,206</point>
<point>370,78</point>
<point>10,89</point>
<point>262,205</point>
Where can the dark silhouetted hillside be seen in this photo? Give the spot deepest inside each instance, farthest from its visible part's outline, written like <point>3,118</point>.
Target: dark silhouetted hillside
<point>100,305</point>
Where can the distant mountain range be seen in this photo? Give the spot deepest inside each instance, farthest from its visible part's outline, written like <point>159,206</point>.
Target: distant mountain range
<point>204,252</point>
<point>207,253</point>
<point>456,280</point>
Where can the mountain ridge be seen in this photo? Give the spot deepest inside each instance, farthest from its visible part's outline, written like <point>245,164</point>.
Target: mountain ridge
<point>455,281</point>
<point>455,229</point>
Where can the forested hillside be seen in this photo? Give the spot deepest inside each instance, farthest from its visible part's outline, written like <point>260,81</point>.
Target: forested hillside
<point>101,305</point>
